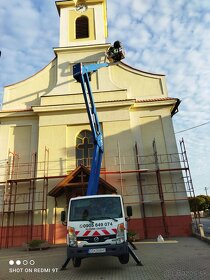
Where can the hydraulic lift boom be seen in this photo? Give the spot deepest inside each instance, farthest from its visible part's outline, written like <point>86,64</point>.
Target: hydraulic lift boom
<point>82,73</point>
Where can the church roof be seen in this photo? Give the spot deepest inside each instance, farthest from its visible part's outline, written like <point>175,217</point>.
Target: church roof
<point>122,63</point>
<point>76,180</point>
<point>174,109</point>
<point>156,99</point>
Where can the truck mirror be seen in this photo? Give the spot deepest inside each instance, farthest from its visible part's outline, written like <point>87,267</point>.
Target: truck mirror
<point>129,211</point>
<point>63,216</point>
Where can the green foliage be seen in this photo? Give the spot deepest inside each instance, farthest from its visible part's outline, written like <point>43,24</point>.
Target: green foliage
<point>199,203</point>
<point>205,201</point>
<point>35,243</point>
<point>131,234</point>
<point>208,201</point>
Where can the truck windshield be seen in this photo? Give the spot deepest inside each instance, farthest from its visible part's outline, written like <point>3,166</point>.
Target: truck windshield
<point>95,209</point>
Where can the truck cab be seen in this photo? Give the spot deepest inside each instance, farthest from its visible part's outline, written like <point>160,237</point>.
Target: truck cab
<point>96,226</point>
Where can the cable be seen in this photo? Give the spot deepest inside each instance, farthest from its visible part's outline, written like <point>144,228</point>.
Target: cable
<point>192,127</point>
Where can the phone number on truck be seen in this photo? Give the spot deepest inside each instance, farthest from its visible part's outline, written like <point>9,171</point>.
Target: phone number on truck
<point>105,224</point>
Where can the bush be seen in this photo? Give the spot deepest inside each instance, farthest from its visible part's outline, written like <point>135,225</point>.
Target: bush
<point>131,235</point>
<point>36,243</point>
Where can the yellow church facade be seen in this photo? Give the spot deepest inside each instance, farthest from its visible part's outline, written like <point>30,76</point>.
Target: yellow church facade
<point>46,143</point>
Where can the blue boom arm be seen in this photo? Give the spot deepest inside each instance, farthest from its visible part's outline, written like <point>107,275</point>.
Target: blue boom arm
<point>81,74</point>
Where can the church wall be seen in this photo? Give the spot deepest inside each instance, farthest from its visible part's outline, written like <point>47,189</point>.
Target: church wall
<point>78,98</point>
<point>118,140</point>
<point>20,142</point>
<point>156,123</point>
<point>4,132</point>
<point>65,60</point>
<point>138,84</point>
<point>120,128</point>
<point>153,226</point>
<point>54,138</point>
<point>16,137</point>
<point>26,93</point>
<point>152,127</point>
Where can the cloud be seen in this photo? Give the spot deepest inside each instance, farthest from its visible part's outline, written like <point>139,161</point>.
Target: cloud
<point>159,36</point>
<point>28,33</point>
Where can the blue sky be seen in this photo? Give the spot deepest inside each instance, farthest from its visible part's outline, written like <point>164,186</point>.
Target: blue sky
<point>164,36</point>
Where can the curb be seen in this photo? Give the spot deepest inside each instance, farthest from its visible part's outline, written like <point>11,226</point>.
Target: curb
<point>205,239</point>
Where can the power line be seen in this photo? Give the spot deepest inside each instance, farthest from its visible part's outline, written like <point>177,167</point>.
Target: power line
<point>193,127</point>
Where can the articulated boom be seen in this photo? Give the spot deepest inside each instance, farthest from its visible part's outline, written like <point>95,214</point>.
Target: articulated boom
<point>81,73</point>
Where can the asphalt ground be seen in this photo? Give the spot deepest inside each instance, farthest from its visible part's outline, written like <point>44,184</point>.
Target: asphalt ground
<point>206,225</point>
<point>183,258</point>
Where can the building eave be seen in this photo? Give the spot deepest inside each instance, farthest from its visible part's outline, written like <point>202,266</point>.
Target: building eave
<point>70,3</point>
<point>81,106</point>
<point>133,69</point>
<point>16,113</point>
<point>157,102</point>
<point>85,48</point>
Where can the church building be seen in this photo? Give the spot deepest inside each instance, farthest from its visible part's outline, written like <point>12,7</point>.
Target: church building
<point>47,147</point>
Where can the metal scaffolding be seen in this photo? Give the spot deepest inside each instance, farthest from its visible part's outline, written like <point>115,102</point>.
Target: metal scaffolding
<point>173,165</point>
<point>24,192</point>
<point>14,203</point>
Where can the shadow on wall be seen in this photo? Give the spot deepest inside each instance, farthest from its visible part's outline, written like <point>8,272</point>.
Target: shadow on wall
<point>35,95</point>
<point>66,71</point>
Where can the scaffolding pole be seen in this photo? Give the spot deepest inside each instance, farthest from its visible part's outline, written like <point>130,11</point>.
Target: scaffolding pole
<point>160,189</point>
<point>141,194</point>
<point>189,182</point>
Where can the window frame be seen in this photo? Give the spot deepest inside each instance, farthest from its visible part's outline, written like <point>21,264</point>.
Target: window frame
<point>81,159</point>
<point>82,30</point>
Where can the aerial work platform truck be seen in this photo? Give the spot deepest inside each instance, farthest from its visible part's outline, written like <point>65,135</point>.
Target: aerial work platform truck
<point>96,224</point>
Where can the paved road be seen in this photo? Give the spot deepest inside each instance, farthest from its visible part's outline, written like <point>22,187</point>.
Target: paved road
<point>187,259</point>
<point>206,225</point>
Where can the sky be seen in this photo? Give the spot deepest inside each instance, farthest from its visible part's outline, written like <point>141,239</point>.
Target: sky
<point>159,36</point>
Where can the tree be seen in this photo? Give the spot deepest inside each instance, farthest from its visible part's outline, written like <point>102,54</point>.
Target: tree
<point>196,203</point>
<point>206,203</point>
<point>199,203</point>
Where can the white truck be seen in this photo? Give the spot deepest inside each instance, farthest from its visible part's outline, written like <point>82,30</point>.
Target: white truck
<point>96,226</point>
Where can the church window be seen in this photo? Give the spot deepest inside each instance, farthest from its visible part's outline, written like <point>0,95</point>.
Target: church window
<point>84,148</point>
<point>82,27</point>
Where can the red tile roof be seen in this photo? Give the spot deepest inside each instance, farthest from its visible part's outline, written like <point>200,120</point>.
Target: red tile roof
<point>156,99</point>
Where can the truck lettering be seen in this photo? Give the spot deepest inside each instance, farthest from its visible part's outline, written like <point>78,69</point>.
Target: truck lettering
<point>107,224</point>
<point>86,225</point>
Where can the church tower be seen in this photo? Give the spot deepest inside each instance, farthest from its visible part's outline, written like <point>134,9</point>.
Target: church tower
<point>82,22</point>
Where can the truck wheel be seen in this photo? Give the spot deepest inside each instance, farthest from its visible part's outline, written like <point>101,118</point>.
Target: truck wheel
<point>124,259</point>
<point>76,262</point>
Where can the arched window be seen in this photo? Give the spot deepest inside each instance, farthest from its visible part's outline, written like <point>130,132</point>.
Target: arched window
<point>84,148</point>
<point>82,27</point>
